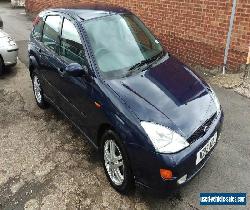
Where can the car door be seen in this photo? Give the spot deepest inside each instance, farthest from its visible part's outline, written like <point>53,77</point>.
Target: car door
<point>49,50</point>
<point>76,92</point>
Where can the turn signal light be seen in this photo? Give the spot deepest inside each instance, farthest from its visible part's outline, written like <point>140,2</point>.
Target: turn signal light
<point>166,174</point>
<point>97,105</point>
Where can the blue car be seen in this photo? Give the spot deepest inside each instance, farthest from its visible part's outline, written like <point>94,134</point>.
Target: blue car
<point>154,121</point>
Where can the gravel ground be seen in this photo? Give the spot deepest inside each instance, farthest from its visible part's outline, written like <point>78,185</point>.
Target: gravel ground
<point>239,82</point>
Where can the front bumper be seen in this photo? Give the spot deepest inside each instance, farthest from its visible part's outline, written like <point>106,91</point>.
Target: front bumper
<point>181,163</point>
<point>9,55</point>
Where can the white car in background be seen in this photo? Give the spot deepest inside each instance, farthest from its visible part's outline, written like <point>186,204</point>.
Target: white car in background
<point>8,51</point>
<point>17,3</point>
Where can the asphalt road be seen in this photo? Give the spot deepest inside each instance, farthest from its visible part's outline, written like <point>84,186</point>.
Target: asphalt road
<point>46,164</point>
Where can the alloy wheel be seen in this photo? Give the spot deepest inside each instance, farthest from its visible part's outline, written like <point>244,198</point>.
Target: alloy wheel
<point>37,89</point>
<point>114,162</point>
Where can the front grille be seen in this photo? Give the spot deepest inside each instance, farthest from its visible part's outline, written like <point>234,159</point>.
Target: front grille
<point>201,131</point>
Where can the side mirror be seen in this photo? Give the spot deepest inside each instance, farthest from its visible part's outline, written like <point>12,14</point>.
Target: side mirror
<point>76,70</point>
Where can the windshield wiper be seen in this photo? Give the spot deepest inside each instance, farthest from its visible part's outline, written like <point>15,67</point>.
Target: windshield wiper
<point>147,61</point>
<point>137,65</point>
<point>157,56</point>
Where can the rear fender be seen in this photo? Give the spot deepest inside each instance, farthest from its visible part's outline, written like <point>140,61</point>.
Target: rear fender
<point>32,64</point>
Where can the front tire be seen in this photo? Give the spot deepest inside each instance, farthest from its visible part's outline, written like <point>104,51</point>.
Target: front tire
<point>116,163</point>
<point>38,92</point>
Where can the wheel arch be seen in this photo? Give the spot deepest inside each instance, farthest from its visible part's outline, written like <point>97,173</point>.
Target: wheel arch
<point>2,67</point>
<point>101,130</point>
<point>32,64</point>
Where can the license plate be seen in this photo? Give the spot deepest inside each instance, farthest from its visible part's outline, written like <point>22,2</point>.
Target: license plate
<point>206,149</point>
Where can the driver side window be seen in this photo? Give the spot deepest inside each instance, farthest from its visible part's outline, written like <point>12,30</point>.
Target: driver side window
<point>71,47</point>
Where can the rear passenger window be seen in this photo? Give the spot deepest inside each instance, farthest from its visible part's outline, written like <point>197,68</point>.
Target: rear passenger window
<point>51,32</point>
<point>38,27</point>
<point>71,46</point>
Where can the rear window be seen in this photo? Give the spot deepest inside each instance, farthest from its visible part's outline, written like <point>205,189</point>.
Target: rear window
<point>38,27</point>
<point>51,32</point>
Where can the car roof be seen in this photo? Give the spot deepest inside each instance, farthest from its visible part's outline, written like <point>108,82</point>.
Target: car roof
<point>87,12</point>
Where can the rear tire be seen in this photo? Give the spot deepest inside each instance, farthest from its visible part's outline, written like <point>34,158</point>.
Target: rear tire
<point>116,163</point>
<point>38,92</point>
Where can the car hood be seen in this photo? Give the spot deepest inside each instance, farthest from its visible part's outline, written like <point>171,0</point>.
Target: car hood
<point>168,94</point>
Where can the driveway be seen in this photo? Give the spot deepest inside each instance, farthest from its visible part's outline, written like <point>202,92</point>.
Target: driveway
<point>45,163</point>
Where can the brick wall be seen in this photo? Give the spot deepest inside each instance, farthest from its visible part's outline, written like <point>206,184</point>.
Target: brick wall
<point>193,30</point>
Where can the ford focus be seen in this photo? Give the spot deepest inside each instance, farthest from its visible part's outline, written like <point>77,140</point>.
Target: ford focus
<point>154,121</point>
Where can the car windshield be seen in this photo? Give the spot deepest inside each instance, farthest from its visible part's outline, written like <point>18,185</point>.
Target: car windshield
<point>121,43</point>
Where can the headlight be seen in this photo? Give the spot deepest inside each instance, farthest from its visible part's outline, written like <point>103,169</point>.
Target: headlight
<point>216,100</point>
<point>6,42</point>
<point>163,139</point>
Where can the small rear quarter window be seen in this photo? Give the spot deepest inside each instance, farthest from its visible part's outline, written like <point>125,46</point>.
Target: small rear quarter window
<point>38,28</point>
<point>51,29</point>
